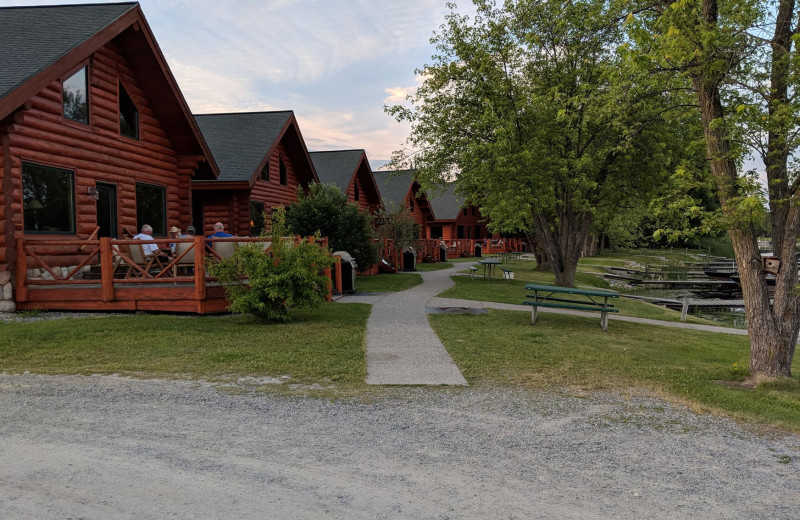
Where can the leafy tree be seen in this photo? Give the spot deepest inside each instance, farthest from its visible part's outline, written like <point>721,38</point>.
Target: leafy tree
<point>396,223</point>
<point>530,106</point>
<point>740,59</point>
<point>325,210</point>
<point>286,276</point>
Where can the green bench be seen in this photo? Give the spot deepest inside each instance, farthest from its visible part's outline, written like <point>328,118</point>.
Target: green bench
<point>472,271</point>
<point>507,273</point>
<point>549,296</point>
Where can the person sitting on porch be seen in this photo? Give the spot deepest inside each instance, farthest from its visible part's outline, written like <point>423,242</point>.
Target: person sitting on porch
<point>146,233</point>
<point>219,231</point>
<point>174,232</point>
<point>190,232</point>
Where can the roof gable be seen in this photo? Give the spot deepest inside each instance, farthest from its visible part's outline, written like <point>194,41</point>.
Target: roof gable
<point>242,142</point>
<point>33,38</point>
<point>446,205</point>
<point>41,44</point>
<point>394,185</point>
<point>337,167</point>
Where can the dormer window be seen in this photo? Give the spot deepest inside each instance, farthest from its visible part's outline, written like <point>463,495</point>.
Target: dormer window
<point>411,205</point>
<point>265,172</point>
<point>75,94</point>
<point>128,115</point>
<point>356,195</point>
<point>283,173</point>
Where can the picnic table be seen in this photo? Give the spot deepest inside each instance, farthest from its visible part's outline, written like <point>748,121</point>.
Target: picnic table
<point>550,296</point>
<point>489,263</point>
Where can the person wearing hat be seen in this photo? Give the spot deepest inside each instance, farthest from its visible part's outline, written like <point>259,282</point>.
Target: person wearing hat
<point>174,232</point>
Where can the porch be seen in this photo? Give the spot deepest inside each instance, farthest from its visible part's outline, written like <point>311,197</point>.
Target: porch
<point>105,275</point>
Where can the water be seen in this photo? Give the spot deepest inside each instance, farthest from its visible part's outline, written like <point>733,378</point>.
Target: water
<point>733,316</point>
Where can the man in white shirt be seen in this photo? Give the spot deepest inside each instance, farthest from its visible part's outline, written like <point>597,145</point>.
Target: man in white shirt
<point>146,233</point>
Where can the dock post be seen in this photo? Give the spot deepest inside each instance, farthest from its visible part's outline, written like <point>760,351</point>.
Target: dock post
<point>685,308</point>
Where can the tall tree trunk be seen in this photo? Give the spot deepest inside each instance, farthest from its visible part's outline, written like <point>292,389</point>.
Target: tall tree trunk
<point>772,328</point>
<point>563,243</point>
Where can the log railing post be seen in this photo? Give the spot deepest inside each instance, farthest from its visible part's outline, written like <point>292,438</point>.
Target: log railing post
<point>106,269</point>
<point>199,268</point>
<point>21,273</point>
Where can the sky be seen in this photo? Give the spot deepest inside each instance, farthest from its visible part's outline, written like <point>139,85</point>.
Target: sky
<point>336,63</point>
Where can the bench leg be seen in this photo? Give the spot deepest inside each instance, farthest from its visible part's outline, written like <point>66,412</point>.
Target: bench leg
<point>604,321</point>
<point>534,312</point>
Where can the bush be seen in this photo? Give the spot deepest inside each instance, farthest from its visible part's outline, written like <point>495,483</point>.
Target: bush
<point>287,276</point>
<point>325,210</point>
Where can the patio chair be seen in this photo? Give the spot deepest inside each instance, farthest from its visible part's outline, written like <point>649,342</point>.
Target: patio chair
<point>186,261</point>
<point>145,262</point>
<point>224,249</point>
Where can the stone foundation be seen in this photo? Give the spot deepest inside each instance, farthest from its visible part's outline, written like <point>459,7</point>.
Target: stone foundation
<point>6,293</point>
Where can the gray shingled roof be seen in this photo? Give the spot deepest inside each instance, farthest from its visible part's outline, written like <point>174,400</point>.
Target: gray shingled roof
<point>446,205</point>
<point>32,38</point>
<point>393,185</point>
<point>240,141</point>
<point>336,167</point>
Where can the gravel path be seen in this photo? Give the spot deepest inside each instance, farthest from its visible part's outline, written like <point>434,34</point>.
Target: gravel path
<point>106,447</point>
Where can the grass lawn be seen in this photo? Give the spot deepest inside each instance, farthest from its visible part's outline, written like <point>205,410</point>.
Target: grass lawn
<point>320,345</point>
<point>513,291</point>
<point>433,266</point>
<point>387,282</point>
<point>502,348</point>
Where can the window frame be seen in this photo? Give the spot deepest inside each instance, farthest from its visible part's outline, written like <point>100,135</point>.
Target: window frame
<point>263,211</point>
<point>164,207</point>
<point>72,200</point>
<point>283,172</point>
<point>120,89</point>
<point>85,66</point>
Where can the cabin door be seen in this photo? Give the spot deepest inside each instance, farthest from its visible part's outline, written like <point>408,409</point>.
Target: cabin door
<point>106,209</point>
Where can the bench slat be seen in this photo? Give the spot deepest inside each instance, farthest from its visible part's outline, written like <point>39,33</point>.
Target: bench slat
<point>570,290</point>
<point>551,299</point>
<point>573,307</point>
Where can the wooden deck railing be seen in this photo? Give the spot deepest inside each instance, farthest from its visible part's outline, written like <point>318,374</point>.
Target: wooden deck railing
<point>39,265</point>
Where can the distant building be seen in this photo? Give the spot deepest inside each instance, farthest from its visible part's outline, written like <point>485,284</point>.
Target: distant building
<point>350,171</point>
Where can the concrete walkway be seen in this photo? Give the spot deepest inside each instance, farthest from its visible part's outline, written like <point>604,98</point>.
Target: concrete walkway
<point>402,348</point>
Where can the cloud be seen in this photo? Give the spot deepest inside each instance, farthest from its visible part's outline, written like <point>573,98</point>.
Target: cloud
<point>399,94</point>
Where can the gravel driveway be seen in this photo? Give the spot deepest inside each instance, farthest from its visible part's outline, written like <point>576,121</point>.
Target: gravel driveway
<point>108,447</point>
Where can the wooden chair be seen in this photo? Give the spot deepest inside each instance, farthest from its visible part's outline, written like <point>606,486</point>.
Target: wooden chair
<point>187,260</point>
<point>145,262</point>
<point>224,249</point>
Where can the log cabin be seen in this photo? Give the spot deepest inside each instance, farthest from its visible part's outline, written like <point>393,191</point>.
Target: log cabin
<point>96,138</point>
<point>453,218</point>
<point>399,189</point>
<point>262,159</point>
<point>350,171</point>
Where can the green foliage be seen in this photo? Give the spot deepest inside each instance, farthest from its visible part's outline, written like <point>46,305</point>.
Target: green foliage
<point>395,222</point>
<point>324,210</point>
<point>532,108</point>
<point>269,284</point>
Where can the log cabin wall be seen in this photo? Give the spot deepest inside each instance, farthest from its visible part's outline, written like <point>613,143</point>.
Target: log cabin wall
<point>473,221</point>
<point>272,193</point>
<point>7,252</point>
<point>421,211</point>
<point>97,152</point>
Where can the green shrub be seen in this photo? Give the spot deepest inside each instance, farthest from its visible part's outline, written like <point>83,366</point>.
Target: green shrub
<point>268,284</point>
<point>325,210</point>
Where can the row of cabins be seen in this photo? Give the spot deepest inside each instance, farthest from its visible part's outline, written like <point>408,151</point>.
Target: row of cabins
<point>97,139</point>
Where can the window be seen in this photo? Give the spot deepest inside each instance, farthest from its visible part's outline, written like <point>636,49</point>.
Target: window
<point>151,207</point>
<point>411,205</point>
<point>465,211</point>
<point>282,169</point>
<point>460,232</point>
<point>355,192</point>
<point>48,199</point>
<point>75,96</point>
<point>256,218</point>
<point>436,231</point>
<point>265,172</point>
<point>128,115</point>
